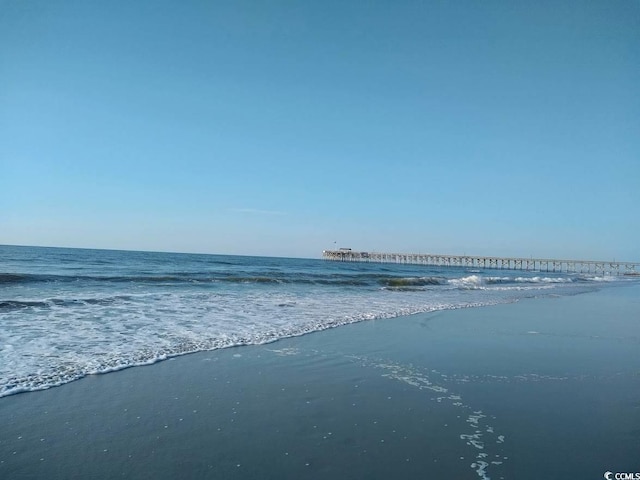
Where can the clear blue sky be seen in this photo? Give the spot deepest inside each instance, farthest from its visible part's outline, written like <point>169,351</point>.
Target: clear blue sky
<point>281,127</point>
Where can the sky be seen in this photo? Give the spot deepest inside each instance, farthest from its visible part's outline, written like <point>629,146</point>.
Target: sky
<point>282,128</point>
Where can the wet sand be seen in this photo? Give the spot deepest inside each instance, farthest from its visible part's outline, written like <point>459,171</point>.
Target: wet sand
<point>541,388</point>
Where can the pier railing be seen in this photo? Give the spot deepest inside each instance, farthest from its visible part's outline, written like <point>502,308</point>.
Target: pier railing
<point>471,261</point>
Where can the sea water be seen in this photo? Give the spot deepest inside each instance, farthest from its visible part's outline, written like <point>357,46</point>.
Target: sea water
<point>68,313</point>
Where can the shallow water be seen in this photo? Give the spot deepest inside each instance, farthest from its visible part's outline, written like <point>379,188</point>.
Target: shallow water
<point>471,393</point>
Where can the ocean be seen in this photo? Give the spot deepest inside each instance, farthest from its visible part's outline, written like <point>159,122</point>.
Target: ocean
<point>310,369</point>
<point>68,313</point>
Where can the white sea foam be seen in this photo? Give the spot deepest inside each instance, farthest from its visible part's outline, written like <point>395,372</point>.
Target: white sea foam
<point>506,283</point>
<point>142,329</point>
<point>606,278</point>
<point>478,436</point>
<point>543,280</point>
<point>470,282</point>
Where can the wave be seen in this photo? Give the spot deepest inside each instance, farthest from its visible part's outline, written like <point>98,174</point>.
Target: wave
<point>16,278</point>
<point>18,304</point>
<point>480,282</point>
<point>503,280</point>
<point>206,277</point>
<point>412,281</point>
<point>543,280</point>
<point>69,371</point>
<point>596,278</point>
<point>387,281</point>
<point>470,282</point>
<point>8,305</point>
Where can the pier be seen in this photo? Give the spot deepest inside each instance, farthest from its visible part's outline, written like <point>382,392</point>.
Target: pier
<point>500,263</point>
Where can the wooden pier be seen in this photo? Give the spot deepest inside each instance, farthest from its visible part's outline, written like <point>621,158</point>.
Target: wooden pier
<point>501,263</point>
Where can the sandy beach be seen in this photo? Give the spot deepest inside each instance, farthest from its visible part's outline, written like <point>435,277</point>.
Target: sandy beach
<point>542,388</point>
<point>319,240</point>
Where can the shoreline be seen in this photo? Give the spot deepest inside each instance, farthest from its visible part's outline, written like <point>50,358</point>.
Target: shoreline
<point>242,343</point>
<point>407,396</point>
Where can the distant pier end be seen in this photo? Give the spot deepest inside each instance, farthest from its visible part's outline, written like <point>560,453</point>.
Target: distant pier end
<point>501,263</point>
